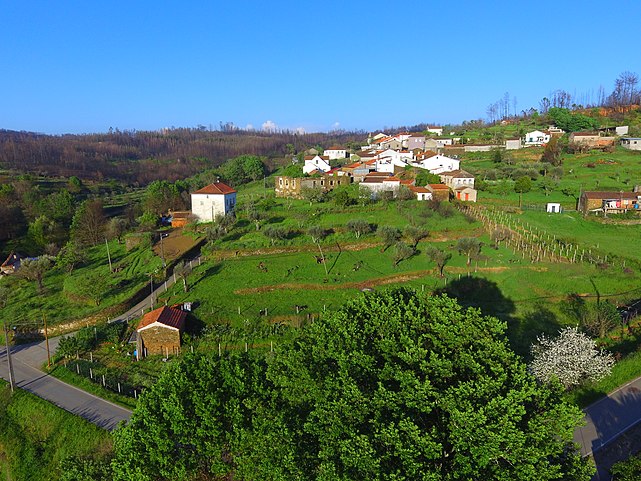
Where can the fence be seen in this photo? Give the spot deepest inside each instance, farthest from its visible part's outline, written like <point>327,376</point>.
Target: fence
<point>103,376</point>
<point>536,244</point>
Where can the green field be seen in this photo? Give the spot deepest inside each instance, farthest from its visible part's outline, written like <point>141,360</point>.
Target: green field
<point>36,436</point>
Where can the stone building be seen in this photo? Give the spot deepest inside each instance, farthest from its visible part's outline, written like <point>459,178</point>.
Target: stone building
<point>159,331</point>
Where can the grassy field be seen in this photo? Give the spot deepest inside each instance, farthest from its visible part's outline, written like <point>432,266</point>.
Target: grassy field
<point>36,436</point>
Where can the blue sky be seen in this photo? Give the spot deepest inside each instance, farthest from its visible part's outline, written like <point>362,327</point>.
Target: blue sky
<point>84,66</point>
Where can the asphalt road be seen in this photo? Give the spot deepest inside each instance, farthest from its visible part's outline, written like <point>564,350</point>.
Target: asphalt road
<point>27,360</point>
<point>606,420</point>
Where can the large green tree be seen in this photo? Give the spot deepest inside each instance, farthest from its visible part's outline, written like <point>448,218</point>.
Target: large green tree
<point>391,386</point>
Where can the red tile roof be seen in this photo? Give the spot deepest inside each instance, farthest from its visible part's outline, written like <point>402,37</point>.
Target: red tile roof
<point>611,195</point>
<point>167,316</point>
<point>216,188</point>
<point>420,190</point>
<point>336,147</point>
<point>439,186</point>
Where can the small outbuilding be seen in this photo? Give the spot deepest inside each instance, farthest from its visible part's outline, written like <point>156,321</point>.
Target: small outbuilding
<point>553,208</point>
<point>159,331</point>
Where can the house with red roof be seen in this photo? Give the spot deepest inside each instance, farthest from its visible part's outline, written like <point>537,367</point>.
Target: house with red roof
<point>159,331</point>
<point>213,200</point>
<point>316,162</point>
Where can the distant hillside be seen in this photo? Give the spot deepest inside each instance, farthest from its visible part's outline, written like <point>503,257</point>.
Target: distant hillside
<point>141,157</point>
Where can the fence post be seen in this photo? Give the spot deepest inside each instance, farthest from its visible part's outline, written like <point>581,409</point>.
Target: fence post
<point>135,394</point>
<point>104,383</point>
<point>91,373</point>
<point>118,388</point>
<point>78,369</point>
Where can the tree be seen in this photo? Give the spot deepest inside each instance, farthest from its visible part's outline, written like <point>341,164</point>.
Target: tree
<point>254,215</point>
<point>424,177</point>
<point>116,227</point>
<point>161,196</point>
<point>312,194</point>
<point>389,236</point>
<point>406,387</point>
<point>195,422</point>
<point>70,256</point>
<point>552,152</point>
<point>93,286</point>
<point>597,318</point>
<point>547,185</point>
<point>359,227</point>
<point>391,386</point>
<point>402,251</point>
<point>470,247</point>
<point>628,470</point>
<point>317,233</point>
<point>415,234</point>
<point>182,270</point>
<point>571,358</point>
<point>341,197</point>
<point>439,257</point>
<point>275,233</point>
<point>522,185</point>
<point>35,269</point>
<point>88,223</point>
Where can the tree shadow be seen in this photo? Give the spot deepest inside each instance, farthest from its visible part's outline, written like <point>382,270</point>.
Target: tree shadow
<point>210,271</point>
<point>524,331</point>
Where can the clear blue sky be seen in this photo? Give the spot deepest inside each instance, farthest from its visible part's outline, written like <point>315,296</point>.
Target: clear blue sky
<point>85,66</point>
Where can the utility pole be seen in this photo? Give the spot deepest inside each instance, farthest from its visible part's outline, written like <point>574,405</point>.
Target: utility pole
<point>108,255</point>
<point>151,287</point>
<point>44,318</point>
<point>12,380</point>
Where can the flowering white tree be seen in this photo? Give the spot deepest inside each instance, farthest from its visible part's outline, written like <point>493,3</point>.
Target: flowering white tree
<point>572,358</point>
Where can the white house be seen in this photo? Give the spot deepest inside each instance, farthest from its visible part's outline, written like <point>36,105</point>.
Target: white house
<point>631,143</point>
<point>457,178</point>
<point>335,152</point>
<point>437,164</point>
<point>387,160</point>
<point>435,130</point>
<point>212,201</point>
<point>536,137</point>
<point>316,162</point>
<point>421,193</point>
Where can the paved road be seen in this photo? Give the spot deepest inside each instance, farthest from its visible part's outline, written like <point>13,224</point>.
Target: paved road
<point>27,360</point>
<point>606,420</point>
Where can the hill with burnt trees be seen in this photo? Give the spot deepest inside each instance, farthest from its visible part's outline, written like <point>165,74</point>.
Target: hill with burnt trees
<point>140,157</point>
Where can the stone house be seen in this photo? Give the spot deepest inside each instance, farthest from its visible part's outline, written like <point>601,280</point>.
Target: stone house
<point>291,187</point>
<point>212,201</point>
<point>159,332</point>
<point>600,201</point>
<point>440,192</point>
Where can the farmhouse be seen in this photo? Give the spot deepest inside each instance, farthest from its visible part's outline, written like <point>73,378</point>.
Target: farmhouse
<point>614,202</point>
<point>335,152</point>
<point>590,139</point>
<point>435,129</point>
<point>513,143</point>
<point>437,163</point>
<point>214,200</point>
<point>422,193</point>
<point>440,192</point>
<point>465,193</point>
<point>536,137</point>
<point>457,178</point>
<point>631,143</point>
<point>316,162</point>
<point>292,187</point>
<point>159,331</point>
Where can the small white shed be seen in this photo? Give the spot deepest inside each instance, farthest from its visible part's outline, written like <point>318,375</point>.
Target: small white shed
<point>553,208</point>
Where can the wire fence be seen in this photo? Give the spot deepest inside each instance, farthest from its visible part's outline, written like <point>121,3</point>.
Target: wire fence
<point>103,376</point>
